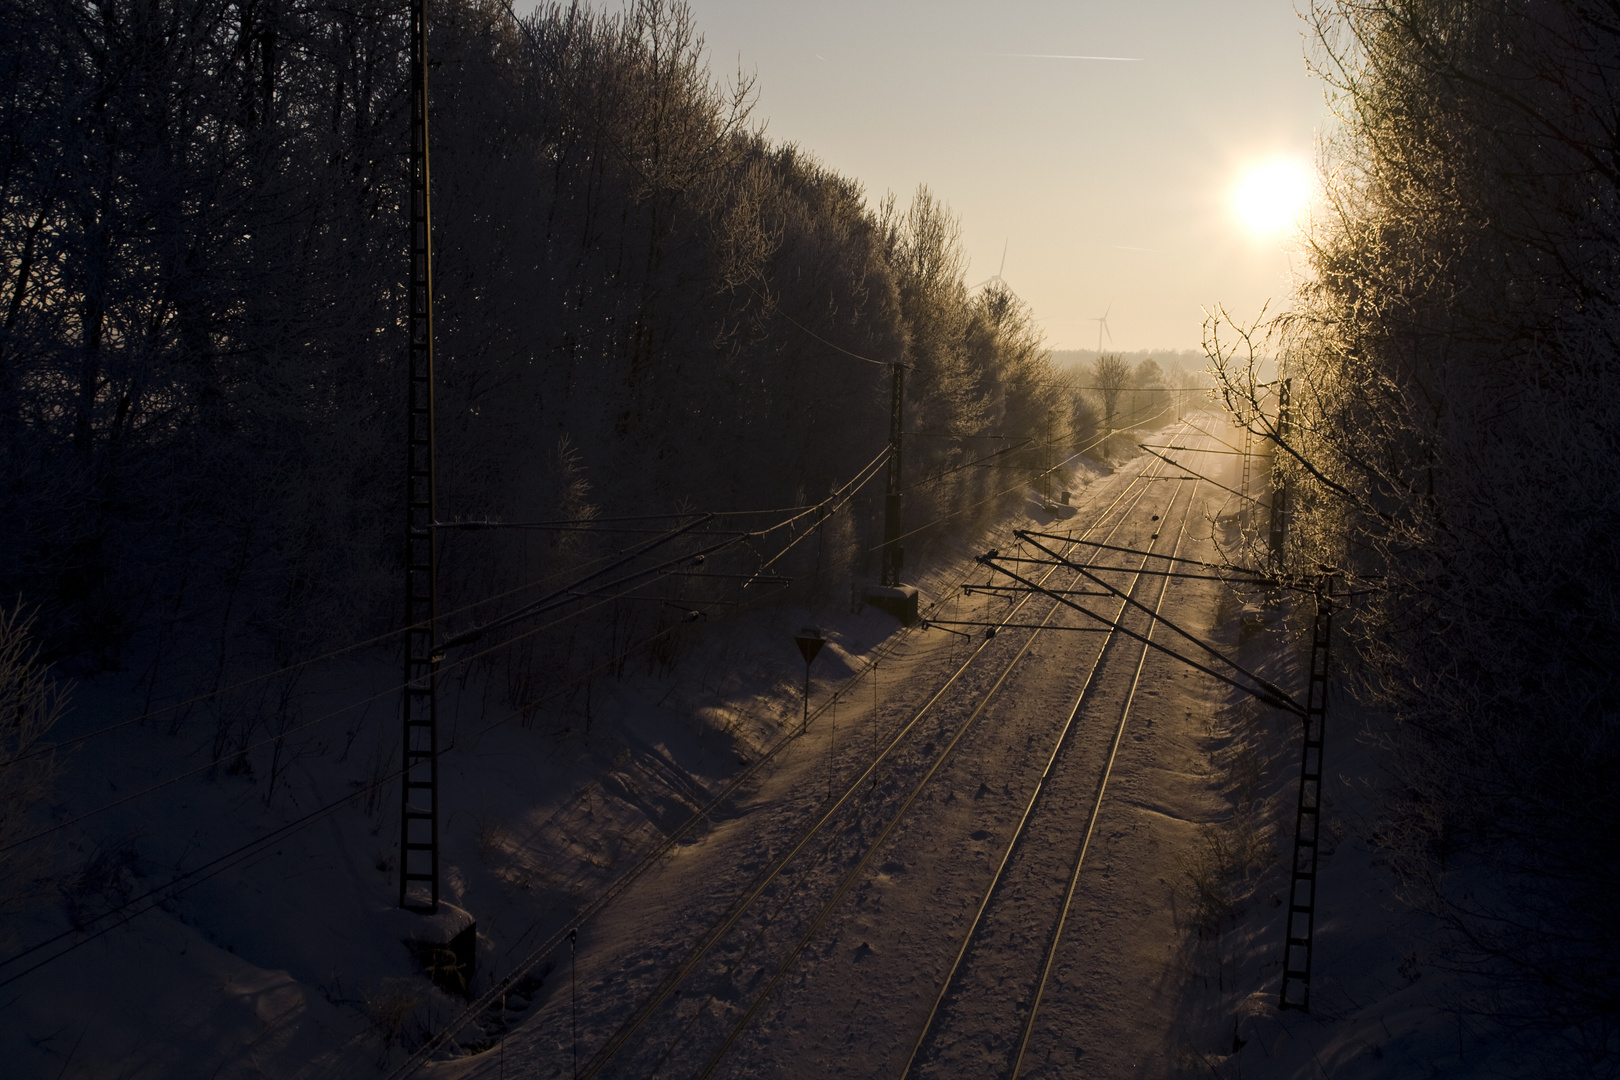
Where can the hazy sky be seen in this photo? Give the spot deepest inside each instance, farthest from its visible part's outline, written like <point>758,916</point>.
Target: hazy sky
<point>1109,181</point>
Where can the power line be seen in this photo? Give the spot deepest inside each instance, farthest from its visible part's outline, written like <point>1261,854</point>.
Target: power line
<point>589,910</point>
<point>235,856</point>
<point>168,890</point>
<point>335,653</point>
<point>835,347</point>
<point>562,595</point>
<point>1201,476</point>
<point>1124,389</point>
<point>969,464</point>
<point>567,523</point>
<point>332,655</point>
<point>281,736</point>
<point>1009,449</point>
<point>949,435</point>
<point>970,506</point>
<point>848,494</point>
<point>857,482</point>
<point>566,595</point>
<point>1217,438</point>
<point>595,522</point>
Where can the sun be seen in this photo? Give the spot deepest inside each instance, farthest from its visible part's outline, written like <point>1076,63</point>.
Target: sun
<point>1273,197</point>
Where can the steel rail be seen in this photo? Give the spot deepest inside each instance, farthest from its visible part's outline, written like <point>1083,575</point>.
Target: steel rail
<point>877,844</point>
<point>1091,824</point>
<point>769,874</point>
<point>827,847</point>
<point>478,1007</point>
<point>1021,831</point>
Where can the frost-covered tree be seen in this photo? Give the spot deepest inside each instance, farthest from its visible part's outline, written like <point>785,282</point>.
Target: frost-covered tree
<point>643,305</point>
<point>1454,374</point>
<point>1110,374</point>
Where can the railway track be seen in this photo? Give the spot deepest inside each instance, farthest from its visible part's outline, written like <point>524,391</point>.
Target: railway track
<point>979,1002</point>
<point>669,1033</point>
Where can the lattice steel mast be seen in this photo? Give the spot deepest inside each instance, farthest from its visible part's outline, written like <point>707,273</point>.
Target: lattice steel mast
<point>1300,930</point>
<point>419,786</point>
<point>893,553</point>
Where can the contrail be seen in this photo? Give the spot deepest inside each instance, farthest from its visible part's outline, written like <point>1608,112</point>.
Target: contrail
<point>1066,56</point>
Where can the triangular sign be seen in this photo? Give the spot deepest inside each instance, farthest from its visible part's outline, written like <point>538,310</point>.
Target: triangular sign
<point>810,642</point>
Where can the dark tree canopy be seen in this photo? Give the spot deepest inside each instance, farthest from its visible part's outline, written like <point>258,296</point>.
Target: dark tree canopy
<point>1454,371</point>
<point>642,305</point>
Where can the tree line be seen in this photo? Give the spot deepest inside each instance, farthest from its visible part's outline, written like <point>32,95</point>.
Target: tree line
<point>644,305</point>
<point>1453,449</point>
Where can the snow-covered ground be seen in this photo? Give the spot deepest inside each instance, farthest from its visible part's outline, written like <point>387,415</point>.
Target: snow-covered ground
<point>852,1000</point>
<point>289,963</point>
<point>1378,1006</point>
<point>287,959</point>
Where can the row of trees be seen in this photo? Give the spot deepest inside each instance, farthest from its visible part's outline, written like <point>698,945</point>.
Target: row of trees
<point>1455,447</point>
<point>644,306</point>
<point>1146,388</point>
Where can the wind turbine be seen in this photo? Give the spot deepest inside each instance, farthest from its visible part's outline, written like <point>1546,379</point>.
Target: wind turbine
<point>996,277</point>
<point>1102,327</point>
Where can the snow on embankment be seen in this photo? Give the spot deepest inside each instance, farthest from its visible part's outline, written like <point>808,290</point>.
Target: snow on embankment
<point>291,962</point>
<point>1376,1011</point>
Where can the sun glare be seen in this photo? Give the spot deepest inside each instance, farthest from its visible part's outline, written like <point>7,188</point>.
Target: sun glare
<point>1273,197</point>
